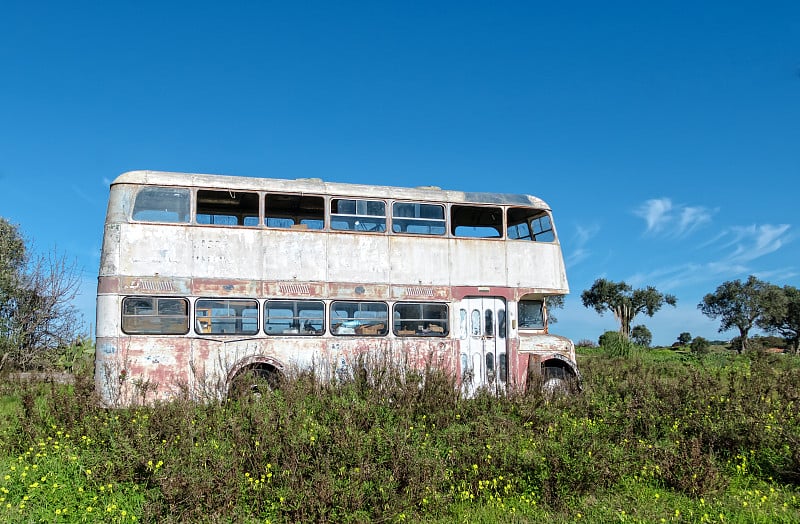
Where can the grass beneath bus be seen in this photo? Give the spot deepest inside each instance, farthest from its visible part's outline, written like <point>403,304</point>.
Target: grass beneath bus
<point>657,437</point>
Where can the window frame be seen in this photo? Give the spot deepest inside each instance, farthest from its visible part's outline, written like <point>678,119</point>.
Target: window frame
<point>179,211</point>
<point>362,329</point>
<point>378,220</point>
<point>542,313</point>
<point>199,305</point>
<point>421,320</point>
<point>295,318</point>
<point>429,222</point>
<point>249,195</point>
<point>156,315</point>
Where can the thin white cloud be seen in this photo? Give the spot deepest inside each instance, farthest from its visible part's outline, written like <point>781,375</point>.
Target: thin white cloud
<point>656,212</point>
<point>740,246</point>
<point>663,216</point>
<point>754,241</point>
<point>578,251</point>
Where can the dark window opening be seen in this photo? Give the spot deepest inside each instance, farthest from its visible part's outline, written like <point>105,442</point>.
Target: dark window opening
<point>155,316</point>
<point>476,221</point>
<point>530,224</point>
<point>358,215</point>
<point>227,208</point>
<point>420,320</point>
<point>502,365</point>
<point>162,204</point>
<point>294,211</point>
<point>531,314</point>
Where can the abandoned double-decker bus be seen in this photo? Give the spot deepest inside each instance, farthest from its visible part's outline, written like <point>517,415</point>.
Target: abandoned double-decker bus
<point>205,279</point>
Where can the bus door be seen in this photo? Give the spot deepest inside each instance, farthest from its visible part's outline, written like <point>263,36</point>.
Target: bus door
<point>484,360</point>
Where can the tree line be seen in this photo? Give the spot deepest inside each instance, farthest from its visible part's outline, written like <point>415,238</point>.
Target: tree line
<point>737,304</point>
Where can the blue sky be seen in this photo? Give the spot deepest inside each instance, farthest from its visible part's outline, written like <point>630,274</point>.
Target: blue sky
<point>664,135</point>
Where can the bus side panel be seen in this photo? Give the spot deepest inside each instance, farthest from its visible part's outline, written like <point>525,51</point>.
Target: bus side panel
<point>293,254</point>
<point>477,263</point>
<point>536,265</point>
<point>148,250</point>
<point>358,258</point>
<point>419,260</point>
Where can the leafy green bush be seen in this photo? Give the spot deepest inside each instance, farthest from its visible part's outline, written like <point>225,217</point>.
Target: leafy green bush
<point>615,344</point>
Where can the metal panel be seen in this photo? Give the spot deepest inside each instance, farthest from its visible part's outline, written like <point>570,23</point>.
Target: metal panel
<point>419,260</point>
<point>293,254</point>
<point>536,265</point>
<point>354,257</point>
<point>477,262</point>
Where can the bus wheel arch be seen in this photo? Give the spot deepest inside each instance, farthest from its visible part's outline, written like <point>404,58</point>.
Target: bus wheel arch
<point>559,376</point>
<point>249,376</point>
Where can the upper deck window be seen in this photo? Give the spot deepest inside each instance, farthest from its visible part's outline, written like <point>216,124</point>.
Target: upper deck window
<point>530,224</point>
<point>227,208</point>
<point>418,219</point>
<point>476,221</point>
<point>161,204</point>
<point>294,211</point>
<point>358,215</point>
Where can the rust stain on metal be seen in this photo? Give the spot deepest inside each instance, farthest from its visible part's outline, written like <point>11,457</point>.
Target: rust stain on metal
<point>224,287</point>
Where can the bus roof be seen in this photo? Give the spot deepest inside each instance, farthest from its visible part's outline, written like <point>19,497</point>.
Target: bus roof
<point>320,187</point>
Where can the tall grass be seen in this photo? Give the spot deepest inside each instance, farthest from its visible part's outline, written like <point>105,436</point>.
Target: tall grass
<point>653,436</point>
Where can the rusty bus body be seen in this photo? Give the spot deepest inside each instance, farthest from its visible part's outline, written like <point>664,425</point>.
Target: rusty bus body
<point>205,277</point>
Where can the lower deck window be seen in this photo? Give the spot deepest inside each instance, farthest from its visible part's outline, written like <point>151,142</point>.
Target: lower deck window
<point>359,318</point>
<point>226,317</point>
<point>294,317</point>
<point>155,316</point>
<point>413,319</point>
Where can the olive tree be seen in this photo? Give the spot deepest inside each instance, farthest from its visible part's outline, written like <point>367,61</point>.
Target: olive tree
<point>641,336</point>
<point>782,316</point>
<point>740,305</point>
<point>624,301</point>
<point>37,315</point>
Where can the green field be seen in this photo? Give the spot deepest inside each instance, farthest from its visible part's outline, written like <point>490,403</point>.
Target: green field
<point>659,436</point>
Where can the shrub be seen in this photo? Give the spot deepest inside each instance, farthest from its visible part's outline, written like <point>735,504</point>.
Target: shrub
<point>615,344</point>
<point>699,345</point>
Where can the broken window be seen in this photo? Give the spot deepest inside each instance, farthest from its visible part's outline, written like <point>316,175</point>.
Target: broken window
<point>418,219</point>
<point>227,208</point>
<point>531,314</point>
<point>359,318</point>
<point>358,215</point>
<point>476,221</point>
<point>228,317</point>
<point>530,224</point>
<point>294,211</point>
<point>161,204</point>
<point>420,320</point>
<point>155,316</point>
<point>294,317</point>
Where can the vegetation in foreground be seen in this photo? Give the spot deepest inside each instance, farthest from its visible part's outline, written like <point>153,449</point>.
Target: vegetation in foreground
<point>656,437</point>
